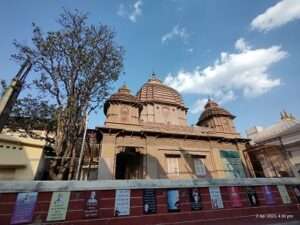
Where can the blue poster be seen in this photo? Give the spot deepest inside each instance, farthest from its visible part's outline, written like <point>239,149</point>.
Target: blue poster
<point>173,201</point>
<point>268,195</point>
<point>24,207</point>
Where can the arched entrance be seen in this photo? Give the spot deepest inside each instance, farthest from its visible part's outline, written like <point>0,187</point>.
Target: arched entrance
<point>129,164</point>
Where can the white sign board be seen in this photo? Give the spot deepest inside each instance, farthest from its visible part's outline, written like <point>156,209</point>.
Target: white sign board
<point>216,197</point>
<point>58,206</point>
<point>284,194</point>
<point>122,203</point>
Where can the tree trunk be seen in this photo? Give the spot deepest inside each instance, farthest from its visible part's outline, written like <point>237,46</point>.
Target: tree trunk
<point>67,144</point>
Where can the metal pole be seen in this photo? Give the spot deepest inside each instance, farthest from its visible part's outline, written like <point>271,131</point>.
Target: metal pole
<point>82,148</point>
<point>11,93</point>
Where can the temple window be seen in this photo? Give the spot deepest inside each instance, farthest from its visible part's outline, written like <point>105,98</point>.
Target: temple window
<point>173,164</point>
<point>233,167</point>
<point>199,165</point>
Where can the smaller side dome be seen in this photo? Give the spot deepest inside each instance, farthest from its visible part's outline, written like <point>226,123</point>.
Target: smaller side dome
<point>122,96</point>
<point>212,109</point>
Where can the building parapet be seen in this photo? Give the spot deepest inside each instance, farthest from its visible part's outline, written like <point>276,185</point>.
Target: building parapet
<point>48,186</point>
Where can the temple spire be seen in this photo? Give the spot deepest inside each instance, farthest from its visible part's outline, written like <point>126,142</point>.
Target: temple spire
<point>286,116</point>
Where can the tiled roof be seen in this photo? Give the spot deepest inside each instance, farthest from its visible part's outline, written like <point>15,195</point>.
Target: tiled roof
<point>123,95</point>
<point>213,109</point>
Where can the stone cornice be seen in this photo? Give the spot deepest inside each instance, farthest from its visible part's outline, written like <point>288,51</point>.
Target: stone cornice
<point>172,133</point>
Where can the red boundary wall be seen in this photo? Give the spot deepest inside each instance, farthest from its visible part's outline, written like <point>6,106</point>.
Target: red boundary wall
<point>228,215</point>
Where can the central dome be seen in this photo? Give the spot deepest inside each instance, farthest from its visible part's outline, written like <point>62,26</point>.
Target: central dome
<point>154,91</point>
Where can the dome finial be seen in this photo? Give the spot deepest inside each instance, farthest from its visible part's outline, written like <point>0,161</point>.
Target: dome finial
<point>210,103</point>
<point>154,78</point>
<point>124,89</point>
<point>124,86</point>
<point>153,75</point>
<point>209,98</point>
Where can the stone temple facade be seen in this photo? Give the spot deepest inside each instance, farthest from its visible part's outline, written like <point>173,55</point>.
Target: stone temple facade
<point>146,136</point>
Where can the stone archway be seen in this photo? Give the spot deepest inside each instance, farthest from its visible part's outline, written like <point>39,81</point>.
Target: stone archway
<point>129,164</point>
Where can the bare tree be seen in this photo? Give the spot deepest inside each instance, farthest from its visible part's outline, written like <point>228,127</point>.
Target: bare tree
<point>77,64</point>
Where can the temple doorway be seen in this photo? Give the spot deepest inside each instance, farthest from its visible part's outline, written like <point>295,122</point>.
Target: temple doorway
<point>129,164</point>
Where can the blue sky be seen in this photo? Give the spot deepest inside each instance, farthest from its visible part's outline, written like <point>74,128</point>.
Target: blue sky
<point>244,54</point>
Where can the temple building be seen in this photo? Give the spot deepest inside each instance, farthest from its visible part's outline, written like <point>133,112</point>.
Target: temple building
<point>146,136</point>
<point>274,151</point>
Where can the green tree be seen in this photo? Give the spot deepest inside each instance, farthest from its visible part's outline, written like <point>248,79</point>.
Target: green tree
<point>31,114</point>
<point>77,64</point>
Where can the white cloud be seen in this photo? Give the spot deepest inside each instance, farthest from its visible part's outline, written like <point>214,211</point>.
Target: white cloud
<point>176,32</point>
<point>233,74</point>
<point>242,45</point>
<point>190,50</point>
<point>131,12</point>
<point>277,15</point>
<point>122,11</point>
<point>224,96</point>
<point>199,105</point>
<point>137,6</point>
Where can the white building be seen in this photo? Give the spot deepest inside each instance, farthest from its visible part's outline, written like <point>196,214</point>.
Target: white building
<point>285,135</point>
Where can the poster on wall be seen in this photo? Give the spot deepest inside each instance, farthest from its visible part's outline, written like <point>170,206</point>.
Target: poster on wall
<point>284,194</point>
<point>58,206</point>
<point>173,201</point>
<point>297,192</point>
<point>122,203</point>
<point>216,197</point>
<point>149,197</point>
<point>268,195</point>
<point>91,205</point>
<point>195,199</point>
<point>235,197</point>
<point>252,196</point>
<point>24,207</point>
